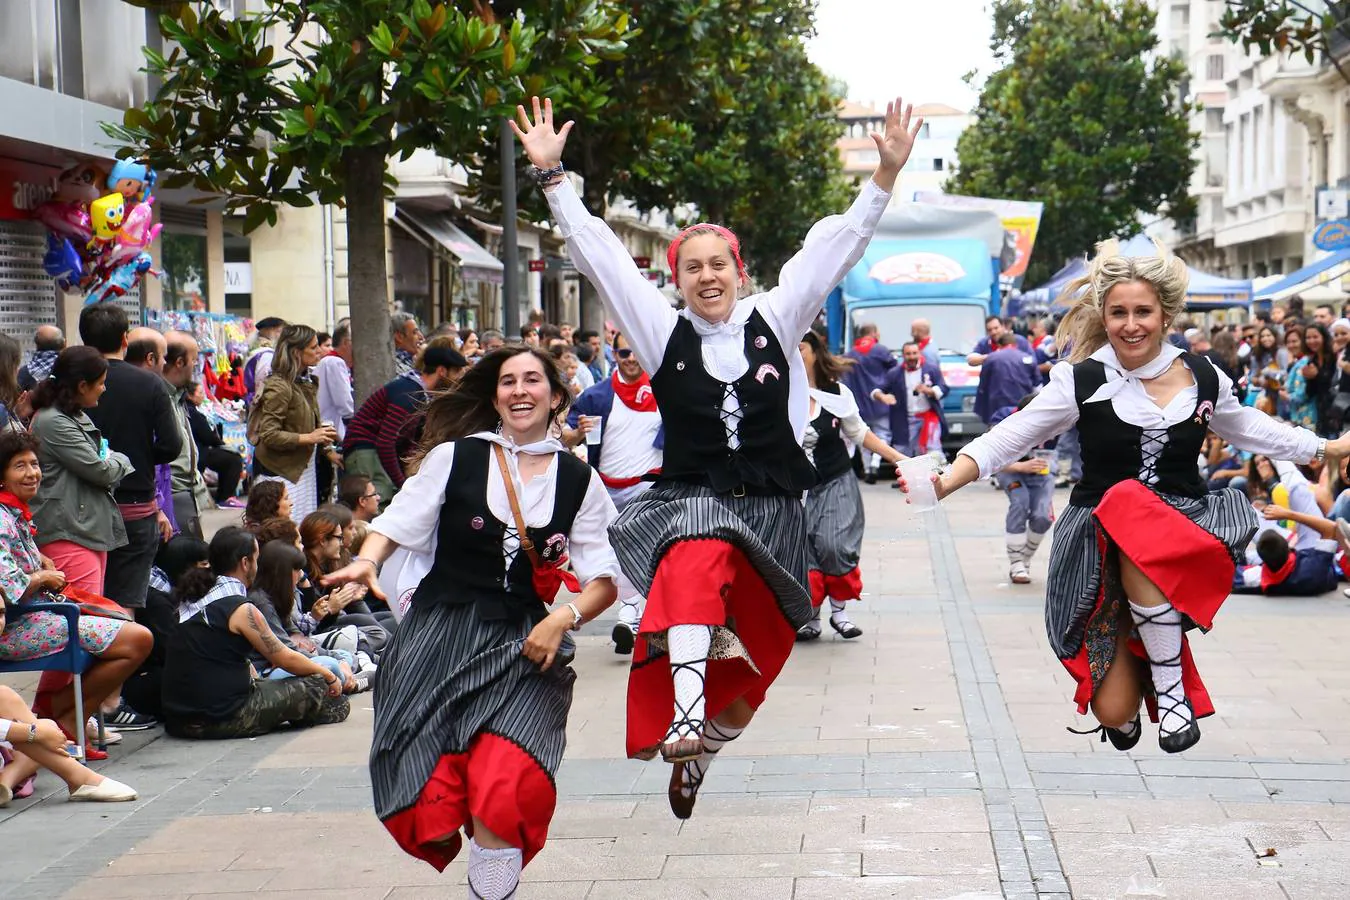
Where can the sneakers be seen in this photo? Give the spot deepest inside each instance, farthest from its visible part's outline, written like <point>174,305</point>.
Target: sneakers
<point>623,637</point>
<point>232,503</point>
<point>365,679</point>
<point>1018,574</point>
<point>124,718</point>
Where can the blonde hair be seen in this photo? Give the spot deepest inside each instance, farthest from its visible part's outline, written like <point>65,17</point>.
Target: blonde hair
<point>1083,328</point>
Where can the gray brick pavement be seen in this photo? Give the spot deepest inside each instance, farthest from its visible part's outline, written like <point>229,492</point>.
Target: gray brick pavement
<point>927,759</point>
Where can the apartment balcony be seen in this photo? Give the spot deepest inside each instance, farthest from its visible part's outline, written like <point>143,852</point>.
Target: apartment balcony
<point>430,177</point>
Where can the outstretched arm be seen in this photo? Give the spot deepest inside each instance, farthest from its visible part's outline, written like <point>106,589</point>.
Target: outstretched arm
<point>642,312</point>
<point>836,243</point>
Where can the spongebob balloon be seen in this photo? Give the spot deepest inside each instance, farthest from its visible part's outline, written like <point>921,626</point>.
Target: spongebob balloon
<point>106,215</point>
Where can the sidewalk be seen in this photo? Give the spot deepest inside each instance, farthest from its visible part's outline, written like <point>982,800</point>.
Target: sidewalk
<point>927,759</point>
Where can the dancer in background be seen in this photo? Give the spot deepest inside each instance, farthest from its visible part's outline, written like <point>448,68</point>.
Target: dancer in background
<point>1142,552</point>
<point>834,507</point>
<point>719,544</point>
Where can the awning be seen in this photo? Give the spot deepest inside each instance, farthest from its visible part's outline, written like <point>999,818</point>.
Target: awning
<point>1320,272</point>
<point>476,264</point>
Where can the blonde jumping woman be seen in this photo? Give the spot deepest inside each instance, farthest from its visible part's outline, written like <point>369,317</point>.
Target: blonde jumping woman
<point>1142,553</point>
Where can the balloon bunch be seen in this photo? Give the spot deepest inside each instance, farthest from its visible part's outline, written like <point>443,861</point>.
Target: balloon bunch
<point>96,242</point>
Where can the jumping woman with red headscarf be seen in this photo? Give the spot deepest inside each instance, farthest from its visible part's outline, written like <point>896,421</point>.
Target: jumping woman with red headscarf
<point>719,544</point>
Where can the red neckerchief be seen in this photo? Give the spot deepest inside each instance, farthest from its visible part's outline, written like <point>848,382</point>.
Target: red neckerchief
<point>864,344</point>
<point>8,499</point>
<point>1270,578</point>
<point>924,343</point>
<point>636,395</point>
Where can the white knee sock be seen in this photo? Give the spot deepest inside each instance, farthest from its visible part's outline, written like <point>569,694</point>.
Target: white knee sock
<point>1033,544</point>
<point>715,737</point>
<point>689,646</point>
<point>1160,630</point>
<point>839,612</point>
<point>1017,547</point>
<point>493,874</point>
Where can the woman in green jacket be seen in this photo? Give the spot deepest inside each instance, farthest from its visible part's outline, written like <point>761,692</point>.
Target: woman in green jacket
<point>75,515</point>
<point>284,423</point>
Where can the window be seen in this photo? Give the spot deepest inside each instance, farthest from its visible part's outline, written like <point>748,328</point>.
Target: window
<point>937,165</point>
<point>1214,67</point>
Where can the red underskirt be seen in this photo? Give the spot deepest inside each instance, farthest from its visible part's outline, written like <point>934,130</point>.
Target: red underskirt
<point>1191,567</point>
<point>837,587</point>
<point>705,582</point>
<point>496,782</point>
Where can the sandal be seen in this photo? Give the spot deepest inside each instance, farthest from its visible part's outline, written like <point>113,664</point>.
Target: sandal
<point>682,750</point>
<point>26,788</point>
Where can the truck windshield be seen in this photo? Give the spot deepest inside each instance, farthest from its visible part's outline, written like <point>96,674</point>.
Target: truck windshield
<point>956,327</point>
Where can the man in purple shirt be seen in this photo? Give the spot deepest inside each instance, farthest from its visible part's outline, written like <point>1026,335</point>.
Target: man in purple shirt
<point>993,327</point>
<point>1008,375</point>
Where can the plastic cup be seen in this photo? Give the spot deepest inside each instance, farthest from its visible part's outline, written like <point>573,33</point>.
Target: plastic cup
<point>918,474</point>
<point>1046,457</point>
<point>593,436</point>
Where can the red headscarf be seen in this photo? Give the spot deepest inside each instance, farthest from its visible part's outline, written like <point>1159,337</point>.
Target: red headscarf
<point>672,255</point>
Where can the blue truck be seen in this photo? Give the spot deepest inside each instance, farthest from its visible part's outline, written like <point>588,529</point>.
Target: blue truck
<point>935,263</point>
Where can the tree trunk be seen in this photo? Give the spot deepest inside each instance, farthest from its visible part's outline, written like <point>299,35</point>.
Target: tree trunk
<point>367,275</point>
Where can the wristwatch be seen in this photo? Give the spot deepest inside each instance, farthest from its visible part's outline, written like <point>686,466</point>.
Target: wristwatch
<point>576,617</point>
<point>1321,453</point>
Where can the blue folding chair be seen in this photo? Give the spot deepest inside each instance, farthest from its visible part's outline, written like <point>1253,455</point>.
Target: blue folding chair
<point>74,659</point>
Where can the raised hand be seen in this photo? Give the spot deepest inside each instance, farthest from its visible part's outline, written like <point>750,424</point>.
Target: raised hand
<point>542,143</point>
<point>895,144</point>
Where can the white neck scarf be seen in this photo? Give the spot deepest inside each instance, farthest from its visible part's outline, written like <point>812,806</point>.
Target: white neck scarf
<point>1117,376</point>
<point>534,448</point>
<point>734,324</point>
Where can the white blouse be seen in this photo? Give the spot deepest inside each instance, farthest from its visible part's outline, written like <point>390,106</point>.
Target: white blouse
<point>844,408</point>
<point>644,315</point>
<point>411,519</point>
<point>1055,411</point>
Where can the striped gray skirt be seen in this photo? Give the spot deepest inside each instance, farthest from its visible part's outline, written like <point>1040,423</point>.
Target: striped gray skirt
<point>446,677</point>
<point>1075,581</point>
<point>770,531</point>
<point>834,525</point>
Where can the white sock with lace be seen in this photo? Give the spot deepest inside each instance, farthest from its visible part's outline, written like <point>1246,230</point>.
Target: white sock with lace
<point>1017,547</point>
<point>715,737</point>
<point>689,646</point>
<point>1160,631</point>
<point>839,612</point>
<point>493,874</point>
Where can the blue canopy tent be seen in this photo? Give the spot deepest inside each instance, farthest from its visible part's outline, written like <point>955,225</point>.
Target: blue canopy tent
<point>1324,271</point>
<point>1205,291</point>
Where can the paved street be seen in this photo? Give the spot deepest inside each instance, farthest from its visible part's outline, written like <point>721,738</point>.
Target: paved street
<point>928,759</point>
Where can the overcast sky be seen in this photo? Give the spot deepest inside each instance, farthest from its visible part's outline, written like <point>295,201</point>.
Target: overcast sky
<point>916,48</point>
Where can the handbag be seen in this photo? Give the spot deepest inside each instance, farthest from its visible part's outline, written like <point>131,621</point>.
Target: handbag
<point>548,577</point>
<point>92,604</point>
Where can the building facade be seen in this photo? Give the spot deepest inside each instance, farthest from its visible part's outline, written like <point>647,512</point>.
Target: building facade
<point>933,159</point>
<point>1274,131</point>
<point>66,66</point>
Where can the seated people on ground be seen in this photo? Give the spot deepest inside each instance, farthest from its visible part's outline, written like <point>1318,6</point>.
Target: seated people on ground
<point>210,688</point>
<point>144,689</point>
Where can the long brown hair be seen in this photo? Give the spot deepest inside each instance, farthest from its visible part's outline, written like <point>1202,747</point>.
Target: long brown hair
<point>278,562</point>
<point>828,368</point>
<point>468,407</point>
<point>314,528</point>
<point>291,343</point>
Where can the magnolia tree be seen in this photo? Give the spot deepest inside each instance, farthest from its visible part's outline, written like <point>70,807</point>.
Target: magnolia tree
<point>306,101</point>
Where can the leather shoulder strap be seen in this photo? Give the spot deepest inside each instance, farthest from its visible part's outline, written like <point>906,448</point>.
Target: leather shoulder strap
<point>526,544</point>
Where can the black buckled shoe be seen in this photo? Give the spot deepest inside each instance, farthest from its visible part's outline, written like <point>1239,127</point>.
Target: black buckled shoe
<point>848,630</point>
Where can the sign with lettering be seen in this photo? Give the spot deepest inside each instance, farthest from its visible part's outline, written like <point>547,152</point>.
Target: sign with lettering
<point>238,278</point>
<point>24,186</point>
<point>1333,235</point>
<point>537,265</point>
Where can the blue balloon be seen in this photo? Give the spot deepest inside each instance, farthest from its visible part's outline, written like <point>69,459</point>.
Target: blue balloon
<point>62,261</point>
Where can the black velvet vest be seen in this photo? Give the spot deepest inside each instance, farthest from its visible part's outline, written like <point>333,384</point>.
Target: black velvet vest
<point>470,563</point>
<point>769,460</point>
<point>1112,449</point>
<point>831,453</point>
